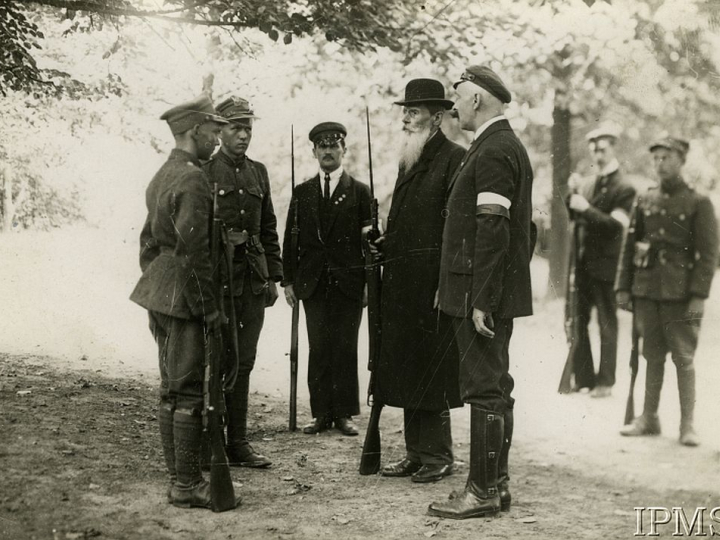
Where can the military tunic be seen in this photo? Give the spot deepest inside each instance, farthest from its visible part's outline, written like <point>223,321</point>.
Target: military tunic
<point>669,256</point>
<point>245,206</point>
<point>176,284</point>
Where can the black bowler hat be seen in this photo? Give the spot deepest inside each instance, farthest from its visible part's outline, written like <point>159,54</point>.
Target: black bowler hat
<point>328,132</point>
<point>425,91</point>
<point>486,78</point>
<point>671,143</point>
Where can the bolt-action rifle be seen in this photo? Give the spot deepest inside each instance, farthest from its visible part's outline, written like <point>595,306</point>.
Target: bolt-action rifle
<point>222,494</point>
<point>294,234</point>
<point>572,319</point>
<point>370,459</point>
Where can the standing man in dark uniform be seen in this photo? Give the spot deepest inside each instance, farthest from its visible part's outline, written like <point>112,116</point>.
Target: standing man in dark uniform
<point>245,206</point>
<point>418,368</point>
<point>176,289</point>
<point>332,210</point>
<point>487,244</point>
<point>667,266</point>
<point>600,207</point>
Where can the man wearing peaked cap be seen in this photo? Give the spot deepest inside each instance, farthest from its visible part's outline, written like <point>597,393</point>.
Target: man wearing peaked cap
<point>667,265</point>
<point>332,208</point>
<point>599,208</point>
<point>487,243</point>
<point>245,205</point>
<point>418,365</point>
<point>177,290</point>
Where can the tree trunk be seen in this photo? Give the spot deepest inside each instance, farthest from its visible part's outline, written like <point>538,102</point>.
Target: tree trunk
<point>561,167</point>
<point>8,210</point>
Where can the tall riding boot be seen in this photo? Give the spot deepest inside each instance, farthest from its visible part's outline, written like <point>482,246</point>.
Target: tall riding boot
<point>480,497</point>
<point>190,489</point>
<point>165,421</point>
<point>686,389</point>
<point>648,422</point>
<point>503,471</point>
<point>238,449</point>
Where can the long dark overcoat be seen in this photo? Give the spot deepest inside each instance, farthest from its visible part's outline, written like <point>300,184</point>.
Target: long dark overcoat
<point>418,362</point>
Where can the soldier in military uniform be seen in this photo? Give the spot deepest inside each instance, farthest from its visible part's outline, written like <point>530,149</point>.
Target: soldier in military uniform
<point>667,265</point>
<point>176,289</point>
<point>600,207</point>
<point>332,210</point>
<point>245,206</point>
<point>418,366</point>
<point>487,244</point>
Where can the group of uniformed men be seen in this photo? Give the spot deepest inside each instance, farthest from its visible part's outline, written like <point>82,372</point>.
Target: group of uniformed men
<point>456,256</point>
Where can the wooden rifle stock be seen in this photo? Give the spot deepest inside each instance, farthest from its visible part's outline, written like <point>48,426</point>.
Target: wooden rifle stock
<point>222,493</point>
<point>571,315</point>
<point>634,358</point>
<point>371,453</point>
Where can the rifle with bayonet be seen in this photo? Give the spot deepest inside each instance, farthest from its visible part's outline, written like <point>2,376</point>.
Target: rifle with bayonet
<point>294,234</point>
<point>370,459</point>
<point>222,494</point>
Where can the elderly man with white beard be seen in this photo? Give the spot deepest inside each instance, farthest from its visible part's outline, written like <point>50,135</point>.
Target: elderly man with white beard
<point>418,367</point>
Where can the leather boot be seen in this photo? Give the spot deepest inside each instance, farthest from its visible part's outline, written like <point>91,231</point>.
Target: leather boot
<point>238,449</point>
<point>165,422</point>
<point>686,389</point>
<point>190,489</point>
<point>503,471</point>
<point>648,422</point>
<point>480,497</point>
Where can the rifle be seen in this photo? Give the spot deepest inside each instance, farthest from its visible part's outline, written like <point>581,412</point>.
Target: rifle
<point>222,494</point>
<point>294,233</point>
<point>370,459</point>
<point>634,353</point>
<point>571,314</point>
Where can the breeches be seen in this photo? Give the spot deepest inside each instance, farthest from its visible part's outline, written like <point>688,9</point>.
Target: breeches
<point>664,327</point>
<point>181,358</point>
<point>484,365</point>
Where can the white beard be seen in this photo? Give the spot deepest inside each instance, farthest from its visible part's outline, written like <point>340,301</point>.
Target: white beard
<point>411,147</point>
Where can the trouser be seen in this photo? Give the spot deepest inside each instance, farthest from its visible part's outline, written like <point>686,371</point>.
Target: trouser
<point>181,356</point>
<point>333,323</point>
<point>600,294</point>
<point>428,436</point>
<point>665,328</point>
<point>250,315</point>
<point>485,365</point>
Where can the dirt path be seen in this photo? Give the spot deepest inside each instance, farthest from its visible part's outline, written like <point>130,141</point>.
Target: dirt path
<point>82,460</point>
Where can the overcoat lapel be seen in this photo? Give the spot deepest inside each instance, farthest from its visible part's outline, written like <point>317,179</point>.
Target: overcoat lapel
<point>314,200</point>
<point>421,167</point>
<point>475,146</point>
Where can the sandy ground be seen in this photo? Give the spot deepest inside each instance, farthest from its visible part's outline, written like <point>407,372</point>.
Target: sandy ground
<point>64,297</point>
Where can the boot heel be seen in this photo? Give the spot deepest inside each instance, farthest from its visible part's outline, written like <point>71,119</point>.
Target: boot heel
<point>505,506</point>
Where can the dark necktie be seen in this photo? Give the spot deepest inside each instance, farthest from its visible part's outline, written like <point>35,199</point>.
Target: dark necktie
<point>326,190</point>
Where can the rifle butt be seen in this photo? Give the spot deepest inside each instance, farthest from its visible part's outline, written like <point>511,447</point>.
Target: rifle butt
<point>371,452</point>
<point>222,493</point>
<point>292,421</point>
<point>565,386</point>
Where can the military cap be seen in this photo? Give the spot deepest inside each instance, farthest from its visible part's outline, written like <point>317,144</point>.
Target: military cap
<point>486,78</point>
<point>235,108</point>
<point>671,143</point>
<point>425,91</point>
<point>328,132</point>
<point>605,131</point>
<point>191,113</point>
